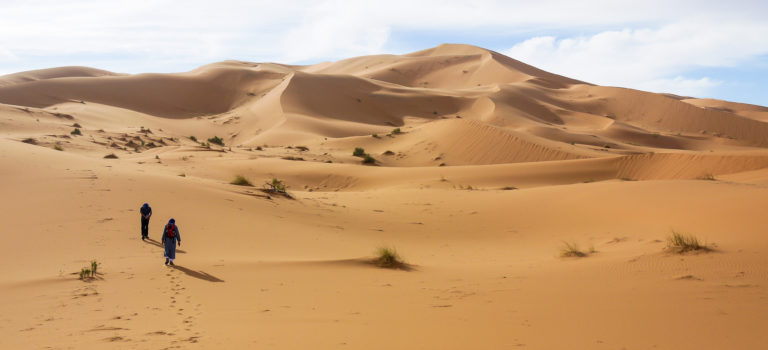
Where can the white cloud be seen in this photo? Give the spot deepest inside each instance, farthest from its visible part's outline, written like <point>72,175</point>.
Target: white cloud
<point>650,58</point>
<point>334,29</point>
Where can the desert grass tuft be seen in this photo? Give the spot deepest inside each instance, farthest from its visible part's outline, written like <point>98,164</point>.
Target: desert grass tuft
<point>94,267</point>
<point>85,274</point>
<point>682,243</point>
<point>387,257</point>
<point>358,152</point>
<point>571,250</point>
<point>241,181</point>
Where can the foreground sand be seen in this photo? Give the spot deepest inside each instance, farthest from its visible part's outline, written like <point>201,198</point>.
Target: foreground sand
<point>258,271</point>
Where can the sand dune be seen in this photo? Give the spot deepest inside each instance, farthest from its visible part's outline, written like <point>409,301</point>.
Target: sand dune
<point>483,167</point>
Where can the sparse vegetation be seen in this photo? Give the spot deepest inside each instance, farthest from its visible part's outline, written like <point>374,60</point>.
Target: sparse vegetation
<point>707,177</point>
<point>183,175</point>
<point>111,156</point>
<point>193,138</point>
<point>94,267</point>
<point>216,140</point>
<point>508,188</point>
<point>358,152</point>
<point>76,125</point>
<point>571,250</point>
<point>275,186</point>
<point>89,273</point>
<point>30,141</point>
<point>258,148</point>
<point>375,136</point>
<point>387,257</point>
<point>85,274</point>
<point>76,132</point>
<point>367,159</point>
<point>58,147</point>
<point>293,158</point>
<point>396,131</point>
<point>681,243</point>
<point>241,181</point>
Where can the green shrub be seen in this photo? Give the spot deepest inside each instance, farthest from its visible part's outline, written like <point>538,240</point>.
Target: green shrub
<point>85,273</point>
<point>396,131</point>
<point>276,185</point>
<point>217,140</point>
<point>367,159</point>
<point>358,152</point>
<point>388,258</point>
<point>193,138</point>
<point>76,132</point>
<point>241,181</point>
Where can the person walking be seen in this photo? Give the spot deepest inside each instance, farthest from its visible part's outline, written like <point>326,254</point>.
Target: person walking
<point>170,237</point>
<point>146,213</point>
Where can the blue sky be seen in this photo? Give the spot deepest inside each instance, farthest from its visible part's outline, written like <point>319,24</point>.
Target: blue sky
<point>696,48</point>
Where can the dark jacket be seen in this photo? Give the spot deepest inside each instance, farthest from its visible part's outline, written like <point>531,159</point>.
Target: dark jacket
<point>145,211</point>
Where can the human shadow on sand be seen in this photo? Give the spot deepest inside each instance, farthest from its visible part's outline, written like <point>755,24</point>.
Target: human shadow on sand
<point>198,274</point>
<point>158,244</point>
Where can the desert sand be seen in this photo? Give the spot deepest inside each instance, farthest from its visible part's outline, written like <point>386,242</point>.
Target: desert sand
<point>494,165</point>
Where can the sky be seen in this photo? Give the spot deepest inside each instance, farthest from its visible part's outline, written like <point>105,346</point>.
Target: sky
<point>703,48</point>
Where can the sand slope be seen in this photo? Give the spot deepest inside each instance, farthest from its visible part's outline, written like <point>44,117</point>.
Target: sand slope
<point>484,166</point>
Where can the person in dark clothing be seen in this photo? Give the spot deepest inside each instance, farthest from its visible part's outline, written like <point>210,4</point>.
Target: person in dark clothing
<point>146,213</point>
<point>170,237</point>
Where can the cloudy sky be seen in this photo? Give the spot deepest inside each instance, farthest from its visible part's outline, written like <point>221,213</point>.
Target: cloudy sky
<point>698,48</point>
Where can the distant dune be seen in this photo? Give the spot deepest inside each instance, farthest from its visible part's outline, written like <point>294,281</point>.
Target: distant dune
<point>478,168</point>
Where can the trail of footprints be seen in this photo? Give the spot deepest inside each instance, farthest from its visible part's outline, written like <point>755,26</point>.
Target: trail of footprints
<point>180,305</point>
<point>178,311</point>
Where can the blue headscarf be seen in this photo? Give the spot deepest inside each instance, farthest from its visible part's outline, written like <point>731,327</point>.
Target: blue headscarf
<point>172,221</point>
<point>145,205</point>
